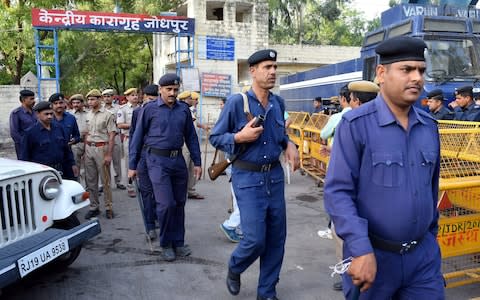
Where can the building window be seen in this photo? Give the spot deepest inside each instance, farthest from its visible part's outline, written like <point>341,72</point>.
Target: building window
<point>215,10</point>
<point>243,12</point>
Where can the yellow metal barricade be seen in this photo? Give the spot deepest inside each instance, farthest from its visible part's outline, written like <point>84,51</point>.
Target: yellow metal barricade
<point>459,202</point>
<point>315,158</point>
<point>295,130</point>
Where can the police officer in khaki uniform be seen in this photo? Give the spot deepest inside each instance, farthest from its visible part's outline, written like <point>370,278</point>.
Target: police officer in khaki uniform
<point>99,143</point>
<point>124,119</point>
<point>107,96</point>
<point>78,149</point>
<point>190,98</point>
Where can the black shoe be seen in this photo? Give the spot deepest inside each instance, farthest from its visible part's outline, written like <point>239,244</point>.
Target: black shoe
<point>267,298</point>
<point>233,283</point>
<point>109,214</point>
<point>92,213</point>
<point>121,186</point>
<point>168,253</point>
<point>337,286</point>
<point>183,251</point>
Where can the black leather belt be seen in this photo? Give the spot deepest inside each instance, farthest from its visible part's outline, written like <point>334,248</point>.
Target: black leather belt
<point>165,152</point>
<point>248,166</point>
<point>391,246</point>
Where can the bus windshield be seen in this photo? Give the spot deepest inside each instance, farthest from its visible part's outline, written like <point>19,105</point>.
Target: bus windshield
<point>452,60</point>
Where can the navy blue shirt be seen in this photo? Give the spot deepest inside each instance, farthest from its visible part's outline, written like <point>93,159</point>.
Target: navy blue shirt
<point>443,114</point>
<point>268,147</point>
<point>382,178</point>
<point>20,120</point>
<point>69,124</point>
<point>165,128</point>
<point>469,113</point>
<point>48,147</point>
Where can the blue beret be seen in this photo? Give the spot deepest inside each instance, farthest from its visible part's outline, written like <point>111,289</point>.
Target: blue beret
<point>26,93</point>
<point>262,55</point>
<point>437,94</point>
<point>56,97</point>
<point>151,90</point>
<point>169,79</point>
<point>42,105</point>
<point>465,90</point>
<point>401,48</point>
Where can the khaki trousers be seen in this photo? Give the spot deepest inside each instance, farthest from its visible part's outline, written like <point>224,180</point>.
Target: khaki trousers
<point>192,181</point>
<point>78,150</point>
<point>95,168</point>
<point>117,159</point>
<point>338,244</point>
<point>125,156</point>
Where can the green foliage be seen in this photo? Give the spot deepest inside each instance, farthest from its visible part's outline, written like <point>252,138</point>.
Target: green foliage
<point>87,59</point>
<point>329,22</point>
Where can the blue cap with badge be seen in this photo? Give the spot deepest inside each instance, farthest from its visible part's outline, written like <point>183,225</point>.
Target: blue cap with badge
<point>169,79</point>
<point>262,55</point>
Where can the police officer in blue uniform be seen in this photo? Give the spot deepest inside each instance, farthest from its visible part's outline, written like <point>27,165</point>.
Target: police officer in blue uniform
<point>464,107</point>
<point>435,105</point>
<point>161,130</point>
<point>257,175</point>
<point>46,142</point>
<point>69,124</point>
<point>22,118</point>
<point>381,188</point>
<point>150,94</point>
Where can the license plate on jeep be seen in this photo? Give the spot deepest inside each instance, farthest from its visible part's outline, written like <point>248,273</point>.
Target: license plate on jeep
<point>42,256</point>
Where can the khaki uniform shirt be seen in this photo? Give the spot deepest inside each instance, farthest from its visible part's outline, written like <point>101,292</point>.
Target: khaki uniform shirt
<point>99,125</point>
<point>81,117</point>
<point>124,115</point>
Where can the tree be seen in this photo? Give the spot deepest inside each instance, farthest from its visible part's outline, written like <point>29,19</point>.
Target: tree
<point>330,22</point>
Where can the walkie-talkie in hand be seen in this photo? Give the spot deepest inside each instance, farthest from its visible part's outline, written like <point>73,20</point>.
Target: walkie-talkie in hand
<point>258,121</point>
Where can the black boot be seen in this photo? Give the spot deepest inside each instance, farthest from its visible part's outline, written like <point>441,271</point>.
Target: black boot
<point>233,282</point>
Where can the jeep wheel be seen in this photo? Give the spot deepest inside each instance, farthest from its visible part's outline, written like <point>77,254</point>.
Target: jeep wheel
<point>68,258</point>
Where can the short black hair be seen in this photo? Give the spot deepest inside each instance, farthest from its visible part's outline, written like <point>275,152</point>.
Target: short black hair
<point>364,97</point>
<point>344,92</point>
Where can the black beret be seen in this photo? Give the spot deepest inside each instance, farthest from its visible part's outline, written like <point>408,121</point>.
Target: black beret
<point>262,55</point>
<point>437,94</point>
<point>151,90</point>
<point>56,97</point>
<point>169,79</point>
<point>319,99</point>
<point>401,48</point>
<point>42,105</point>
<point>464,90</point>
<point>26,93</point>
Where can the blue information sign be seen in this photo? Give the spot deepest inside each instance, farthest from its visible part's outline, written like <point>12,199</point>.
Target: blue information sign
<point>218,48</point>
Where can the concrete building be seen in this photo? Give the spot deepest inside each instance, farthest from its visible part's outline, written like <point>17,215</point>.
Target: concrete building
<point>9,97</point>
<point>226,34</point>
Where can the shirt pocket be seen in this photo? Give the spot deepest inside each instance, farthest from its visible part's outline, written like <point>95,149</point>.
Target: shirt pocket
<point>388,169</point>
<point>428,159</point>
<point>249,180</point>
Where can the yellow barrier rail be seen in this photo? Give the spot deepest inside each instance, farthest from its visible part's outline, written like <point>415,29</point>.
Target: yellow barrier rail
<point>459,192</point>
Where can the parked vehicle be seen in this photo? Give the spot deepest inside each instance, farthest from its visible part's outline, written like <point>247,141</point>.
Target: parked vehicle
<point>38,218</point>
<point>453,55</point>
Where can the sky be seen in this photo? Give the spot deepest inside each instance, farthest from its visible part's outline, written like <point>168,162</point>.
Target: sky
<point>370,8</point>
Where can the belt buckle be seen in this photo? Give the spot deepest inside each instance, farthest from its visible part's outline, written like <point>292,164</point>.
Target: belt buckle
<point>407,246</point>
<point>173,153</point>
<point>266,168</point>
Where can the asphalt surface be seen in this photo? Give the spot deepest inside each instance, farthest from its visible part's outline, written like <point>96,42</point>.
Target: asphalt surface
<point>118,263</point>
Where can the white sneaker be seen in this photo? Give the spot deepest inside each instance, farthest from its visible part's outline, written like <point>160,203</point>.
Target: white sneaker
<point>325,234</point>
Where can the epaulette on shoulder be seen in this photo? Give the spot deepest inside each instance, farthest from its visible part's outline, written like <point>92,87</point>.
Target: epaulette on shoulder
<point>364,110</point>
<point>16,110</point>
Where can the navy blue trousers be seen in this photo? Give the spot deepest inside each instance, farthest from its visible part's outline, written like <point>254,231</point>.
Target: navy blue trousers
<point>413,275</point>
<point>146,190</point>
<point>261,200</point>
<point>169,178</point>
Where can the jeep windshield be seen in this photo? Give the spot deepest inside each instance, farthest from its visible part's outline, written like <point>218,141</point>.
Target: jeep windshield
<point>452,60</point>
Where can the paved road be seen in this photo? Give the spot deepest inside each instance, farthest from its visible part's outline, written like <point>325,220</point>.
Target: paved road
<point>118,264</point>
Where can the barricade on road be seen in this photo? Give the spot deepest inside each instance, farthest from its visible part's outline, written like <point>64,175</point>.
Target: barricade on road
<point>295,130</point>
<point>459,191</point>
<point>459,202</point>
<point>314,158</point>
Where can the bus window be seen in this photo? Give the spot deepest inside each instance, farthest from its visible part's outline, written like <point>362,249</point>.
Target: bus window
<point>452,59</point>
<point>369,68</point>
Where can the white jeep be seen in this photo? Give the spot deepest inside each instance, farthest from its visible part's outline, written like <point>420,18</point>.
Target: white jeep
<point>39,224</point>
